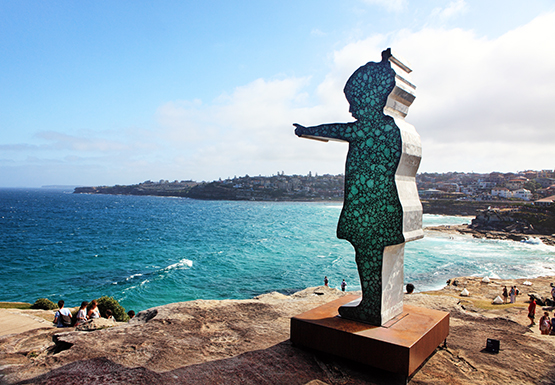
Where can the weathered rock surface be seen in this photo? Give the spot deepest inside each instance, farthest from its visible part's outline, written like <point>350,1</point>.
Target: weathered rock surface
<point>247,342</point>
<point>97,324</point>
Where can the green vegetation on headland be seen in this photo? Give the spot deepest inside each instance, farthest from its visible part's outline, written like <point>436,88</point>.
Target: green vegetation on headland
<point>104,303</point>
<point>15,305</point>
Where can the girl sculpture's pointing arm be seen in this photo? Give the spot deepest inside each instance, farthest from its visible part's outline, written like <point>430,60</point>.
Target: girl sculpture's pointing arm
<point>325,132</point>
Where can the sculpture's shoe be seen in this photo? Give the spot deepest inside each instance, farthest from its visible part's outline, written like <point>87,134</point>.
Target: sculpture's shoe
<point>357,311</point>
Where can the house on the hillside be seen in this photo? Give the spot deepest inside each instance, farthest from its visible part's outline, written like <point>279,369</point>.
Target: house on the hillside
<point>516,183</point>
<point>545,202</point>
<point>448,187</point>
<point>522,194</point>
<point>501,192</point>
<point>431,193</point>
<point>545,182</point>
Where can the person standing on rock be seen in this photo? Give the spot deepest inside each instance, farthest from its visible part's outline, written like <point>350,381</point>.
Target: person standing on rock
<point>532,311</point>
<point>343,285</point>
<point>512,294</point>
<point>505,295</point>
<point>326,281</point>
<point>553,291</point>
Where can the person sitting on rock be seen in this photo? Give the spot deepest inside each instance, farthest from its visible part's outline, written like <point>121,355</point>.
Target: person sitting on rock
<point>109,314</point>
<point>63,316</point>
<point>82,313</point>
<point>545,324</point>
<point>131,314</point>
<point>93,311</point>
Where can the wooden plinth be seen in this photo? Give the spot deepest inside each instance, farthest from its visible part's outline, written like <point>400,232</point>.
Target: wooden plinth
<point>400,346</point>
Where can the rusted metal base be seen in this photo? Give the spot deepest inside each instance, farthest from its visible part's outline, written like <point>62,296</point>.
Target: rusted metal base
<point>400,346</point>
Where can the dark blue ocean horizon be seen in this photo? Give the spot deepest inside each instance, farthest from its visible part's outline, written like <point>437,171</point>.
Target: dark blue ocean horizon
<point>149,251</point>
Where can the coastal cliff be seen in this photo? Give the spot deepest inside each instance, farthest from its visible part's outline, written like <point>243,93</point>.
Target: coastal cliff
<point>524,224</point>
<point>247,342</point>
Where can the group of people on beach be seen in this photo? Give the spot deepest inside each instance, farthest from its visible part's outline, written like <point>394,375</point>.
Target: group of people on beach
<point>88,311</point>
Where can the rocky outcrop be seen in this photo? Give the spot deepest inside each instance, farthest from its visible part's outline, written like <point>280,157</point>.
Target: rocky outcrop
<point>247,342</point>
<point>502,220</point>
<point>96,324</point>
<point>493,234</point>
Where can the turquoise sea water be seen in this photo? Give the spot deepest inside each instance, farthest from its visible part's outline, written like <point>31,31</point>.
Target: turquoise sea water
<point>149,251</point>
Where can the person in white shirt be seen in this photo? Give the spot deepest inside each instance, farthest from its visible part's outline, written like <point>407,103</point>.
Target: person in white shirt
<point>82,313</point>
<point>61,314</point>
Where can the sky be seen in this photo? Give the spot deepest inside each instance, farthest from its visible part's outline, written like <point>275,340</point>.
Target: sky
<point>104,93</point>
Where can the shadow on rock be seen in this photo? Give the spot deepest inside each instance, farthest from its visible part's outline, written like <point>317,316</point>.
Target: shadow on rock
<point>279,364</point>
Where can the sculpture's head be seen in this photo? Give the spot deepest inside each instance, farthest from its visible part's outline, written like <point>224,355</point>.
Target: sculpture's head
<point>368,88</point>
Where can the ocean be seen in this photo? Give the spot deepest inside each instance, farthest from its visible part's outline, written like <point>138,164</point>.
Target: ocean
<point>149,251</point>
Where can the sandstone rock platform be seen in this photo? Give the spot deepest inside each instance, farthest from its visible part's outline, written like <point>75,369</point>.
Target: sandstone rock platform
<point>247,342</point>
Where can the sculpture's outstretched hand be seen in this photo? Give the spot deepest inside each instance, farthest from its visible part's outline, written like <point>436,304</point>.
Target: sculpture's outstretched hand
<point>299,130</point>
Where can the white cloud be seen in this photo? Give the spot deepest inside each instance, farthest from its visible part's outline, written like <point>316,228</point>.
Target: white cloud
<point>454,8</point>
<point>476,90</point>
<point>317,32</point>
<point>481,105</point>
<point>60,141</point>
<point>248,131</point>
<point>390,5</point>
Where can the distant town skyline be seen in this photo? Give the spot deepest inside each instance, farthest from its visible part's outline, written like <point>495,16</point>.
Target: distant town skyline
<point>110,93</point>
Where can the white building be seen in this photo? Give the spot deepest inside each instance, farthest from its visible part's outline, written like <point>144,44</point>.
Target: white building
<point>523,194</point>
<point>502,192</point>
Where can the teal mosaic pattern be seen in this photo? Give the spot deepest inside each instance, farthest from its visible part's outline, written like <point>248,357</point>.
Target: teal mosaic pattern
<point>372,215</point>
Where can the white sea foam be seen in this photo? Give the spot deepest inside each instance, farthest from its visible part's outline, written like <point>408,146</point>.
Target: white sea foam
<point>128,288</point>
<point>182,264</point>
<point>133,276</point>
